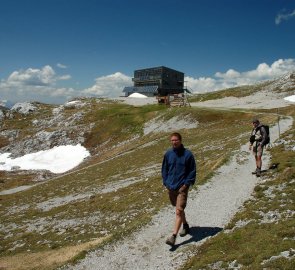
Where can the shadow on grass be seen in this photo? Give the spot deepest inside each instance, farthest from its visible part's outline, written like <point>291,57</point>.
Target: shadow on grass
<point>197,234</point>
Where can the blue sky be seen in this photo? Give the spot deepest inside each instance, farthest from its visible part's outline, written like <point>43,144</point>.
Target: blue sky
<point>54,50</point>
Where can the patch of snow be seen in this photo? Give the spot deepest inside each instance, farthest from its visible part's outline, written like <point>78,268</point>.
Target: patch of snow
<point>137,101</point>
<point>137,95</point>
<point>290,98</point>
<point>57,160</point>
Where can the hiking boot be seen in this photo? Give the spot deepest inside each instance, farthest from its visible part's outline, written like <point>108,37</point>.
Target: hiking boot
<point>185,230</point>
<point>258,173</point>
<point>255,172</point>
<point>171,240</point>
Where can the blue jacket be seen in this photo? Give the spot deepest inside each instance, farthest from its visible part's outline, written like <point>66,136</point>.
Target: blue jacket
<point>178,168</point>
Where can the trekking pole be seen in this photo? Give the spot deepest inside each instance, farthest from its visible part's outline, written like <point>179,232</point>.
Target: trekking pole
<point>279,123</point>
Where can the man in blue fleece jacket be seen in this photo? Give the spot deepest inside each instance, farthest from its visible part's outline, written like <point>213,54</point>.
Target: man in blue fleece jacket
<point>178,173</point>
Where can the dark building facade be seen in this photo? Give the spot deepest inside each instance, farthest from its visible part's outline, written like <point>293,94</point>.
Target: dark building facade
<point>157,81</point>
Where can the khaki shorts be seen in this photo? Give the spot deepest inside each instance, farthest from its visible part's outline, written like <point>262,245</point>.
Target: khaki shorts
<point>258,150</point>
<point>178,197</point>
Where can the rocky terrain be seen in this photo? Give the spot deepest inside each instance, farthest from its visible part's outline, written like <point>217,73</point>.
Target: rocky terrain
<point>61,124</point>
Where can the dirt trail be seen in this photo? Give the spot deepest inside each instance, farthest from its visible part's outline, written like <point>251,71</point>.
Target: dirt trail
<point>209,209</point>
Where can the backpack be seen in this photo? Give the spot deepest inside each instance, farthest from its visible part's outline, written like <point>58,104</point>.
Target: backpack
<point>267,139</point>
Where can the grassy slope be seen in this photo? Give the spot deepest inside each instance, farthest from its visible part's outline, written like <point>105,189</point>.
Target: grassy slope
<point>116,213</point>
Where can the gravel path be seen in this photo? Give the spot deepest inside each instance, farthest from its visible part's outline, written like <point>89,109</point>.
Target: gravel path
<point>209,209</point>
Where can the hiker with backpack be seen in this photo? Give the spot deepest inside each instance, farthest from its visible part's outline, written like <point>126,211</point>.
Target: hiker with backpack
<point>258,140</point>
<point>178,173</point>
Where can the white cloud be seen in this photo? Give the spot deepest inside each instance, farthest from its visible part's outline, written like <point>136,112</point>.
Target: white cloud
<point>284,17</point>
<point>232,78</point>
<point>35,85</point>
<point>278,68</point>
<point>38,77</point>
<point>109,86</point>
<point>201,84</point>
<point>61,65</point>
<point>230,74</point>
<point>64,77</point>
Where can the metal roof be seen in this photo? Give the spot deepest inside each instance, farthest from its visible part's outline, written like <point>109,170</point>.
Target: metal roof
<point>141,89</point>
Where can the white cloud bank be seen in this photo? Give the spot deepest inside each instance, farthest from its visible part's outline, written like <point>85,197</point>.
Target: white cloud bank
<point>42,84</point>
<point>35,85</point>
<point>57,160</point>
<point>232,78</point>
<point>108,86</point>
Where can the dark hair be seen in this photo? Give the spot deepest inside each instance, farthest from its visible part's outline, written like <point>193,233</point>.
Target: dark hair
<point>255,120</point>
<point>176,134</point>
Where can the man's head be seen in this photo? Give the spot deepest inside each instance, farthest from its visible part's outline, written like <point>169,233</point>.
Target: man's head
<point>175,139</point>
<point>255,122</point>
